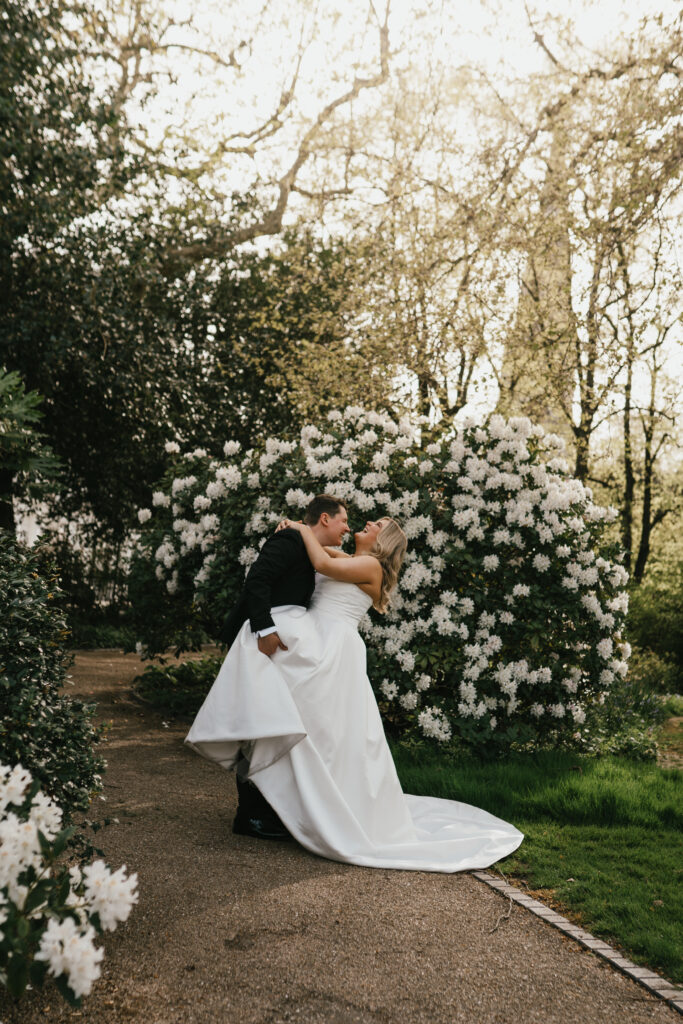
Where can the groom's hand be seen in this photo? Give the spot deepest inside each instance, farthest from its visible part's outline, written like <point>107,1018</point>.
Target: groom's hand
<point>269,644</point>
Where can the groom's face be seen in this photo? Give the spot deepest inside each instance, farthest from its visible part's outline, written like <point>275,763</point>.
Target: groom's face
<point>335,527</point>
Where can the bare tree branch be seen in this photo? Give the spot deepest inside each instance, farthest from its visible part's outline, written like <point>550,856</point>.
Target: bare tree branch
<point>271,222</point>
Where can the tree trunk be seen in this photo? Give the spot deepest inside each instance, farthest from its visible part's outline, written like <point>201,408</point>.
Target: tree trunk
<point>581,441</point>
<point>423,401</point>
<point>648,467</point>
<point>629,477</point>
<point>537,374</point>
<point>7,521</point>
<point>646,526</point>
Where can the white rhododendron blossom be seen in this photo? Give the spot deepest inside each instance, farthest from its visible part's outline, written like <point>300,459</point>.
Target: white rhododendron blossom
<point>433,723</point>
<point>109,894</point>
<point>509,602</point>
<point>70,949</point>
<point>67,906</point>
<point>182,483</point>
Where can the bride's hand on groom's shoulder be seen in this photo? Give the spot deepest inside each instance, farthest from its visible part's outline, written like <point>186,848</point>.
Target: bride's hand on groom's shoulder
<point>288,524</point>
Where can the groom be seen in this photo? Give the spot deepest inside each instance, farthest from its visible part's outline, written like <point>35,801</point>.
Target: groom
<point>282,574</point>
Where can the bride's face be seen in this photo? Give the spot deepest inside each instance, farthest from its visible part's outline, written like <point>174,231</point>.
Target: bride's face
<point>366,537</point>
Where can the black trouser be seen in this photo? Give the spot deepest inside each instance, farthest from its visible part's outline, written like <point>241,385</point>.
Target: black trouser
<point>252,803</point>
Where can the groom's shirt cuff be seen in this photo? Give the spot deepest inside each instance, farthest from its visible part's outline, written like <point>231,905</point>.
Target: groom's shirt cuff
<point>266,632</point>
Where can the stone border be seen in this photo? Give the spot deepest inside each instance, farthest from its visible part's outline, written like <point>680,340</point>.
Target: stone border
<point>654,983</point>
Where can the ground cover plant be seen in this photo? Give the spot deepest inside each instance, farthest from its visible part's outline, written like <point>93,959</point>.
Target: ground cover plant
<point>602,837</point>
<point>177,690</point>
<point>507,625</point>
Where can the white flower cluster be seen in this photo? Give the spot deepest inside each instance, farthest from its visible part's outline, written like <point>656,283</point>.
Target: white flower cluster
<point>434,724</point>
<point>69,948</point>
<point>502,597</point>
<point>19,842</point>
<point>66,943</point>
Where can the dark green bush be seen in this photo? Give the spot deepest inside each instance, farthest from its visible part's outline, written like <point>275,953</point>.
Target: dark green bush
<point>650,673</point>
<point>95,635</point>
<point>47,732</point>
<point>178,689</point>
<point>655,619</point>
<point>626,722</point>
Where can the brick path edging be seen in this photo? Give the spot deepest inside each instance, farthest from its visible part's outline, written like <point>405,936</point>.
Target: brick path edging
<point>654,983</point>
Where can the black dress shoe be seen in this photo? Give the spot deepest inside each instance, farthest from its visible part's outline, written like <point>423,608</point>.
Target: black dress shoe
<point>260,828</point>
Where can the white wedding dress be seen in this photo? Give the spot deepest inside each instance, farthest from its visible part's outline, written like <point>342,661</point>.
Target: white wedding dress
<point>308,721</point>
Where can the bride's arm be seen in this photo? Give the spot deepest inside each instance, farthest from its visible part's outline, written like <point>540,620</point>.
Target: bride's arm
<point>336,553</point>
<point>332,552</point>
<point>361,569</point>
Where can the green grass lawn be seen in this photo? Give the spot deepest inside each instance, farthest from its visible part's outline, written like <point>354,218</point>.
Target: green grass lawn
<point>603,838</point>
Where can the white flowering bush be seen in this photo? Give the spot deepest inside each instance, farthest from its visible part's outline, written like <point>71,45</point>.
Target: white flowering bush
<point>50,914</point>
<point>507,621</point>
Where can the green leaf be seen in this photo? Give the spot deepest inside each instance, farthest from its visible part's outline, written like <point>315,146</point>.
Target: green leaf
<point>17,974</point>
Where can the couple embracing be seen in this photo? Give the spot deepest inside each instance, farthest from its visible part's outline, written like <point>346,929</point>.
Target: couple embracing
<point>293,711</point>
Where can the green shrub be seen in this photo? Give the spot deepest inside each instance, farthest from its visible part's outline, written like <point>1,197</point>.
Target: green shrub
<point>625,722</point>
<point>177,689</point>
<point>91,636</point>
<point>673,705</point>
<point>650,673</point>
<point>655,620</point>
<point>48,733</point>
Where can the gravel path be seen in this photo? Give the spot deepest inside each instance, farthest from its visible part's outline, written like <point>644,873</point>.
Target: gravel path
<point>230,929</point>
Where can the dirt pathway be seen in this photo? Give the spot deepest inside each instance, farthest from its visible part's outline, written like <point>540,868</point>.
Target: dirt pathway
<point>670,752</point>
<point>230,929</point>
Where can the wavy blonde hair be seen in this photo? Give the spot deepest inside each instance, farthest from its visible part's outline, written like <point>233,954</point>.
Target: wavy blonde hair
<point>389,549</point>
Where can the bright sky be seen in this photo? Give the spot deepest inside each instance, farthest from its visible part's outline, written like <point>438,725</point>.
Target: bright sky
<point>445,33</point>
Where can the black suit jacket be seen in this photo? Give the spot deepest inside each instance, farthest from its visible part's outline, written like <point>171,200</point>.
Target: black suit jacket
<point>282,574</point>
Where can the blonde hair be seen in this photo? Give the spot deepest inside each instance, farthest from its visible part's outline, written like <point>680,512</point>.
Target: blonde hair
<point>389,549</point>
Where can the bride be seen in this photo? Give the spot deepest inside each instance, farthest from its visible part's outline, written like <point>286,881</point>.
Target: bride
<point>308,722</point>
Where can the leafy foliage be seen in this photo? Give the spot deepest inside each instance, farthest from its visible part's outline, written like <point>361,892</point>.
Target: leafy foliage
<point>177,689</point>
<point>291,339</point>
<point>50,734</point>
<point>625,721</point>
<point>60,141</point>
<point>655,623</point>
<point>22,451</point>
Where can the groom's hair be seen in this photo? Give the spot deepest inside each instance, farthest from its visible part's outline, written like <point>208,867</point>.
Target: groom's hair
<point>322,503</point>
